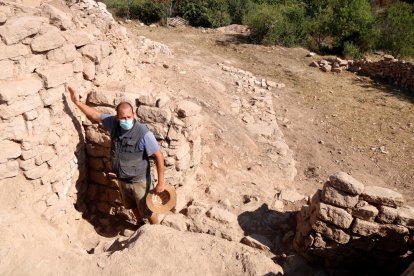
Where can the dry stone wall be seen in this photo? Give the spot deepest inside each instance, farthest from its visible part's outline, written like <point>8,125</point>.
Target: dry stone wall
<point>176,124</point>
<point>397,72</point>
<point>42,138</point>
<point>348,223</point>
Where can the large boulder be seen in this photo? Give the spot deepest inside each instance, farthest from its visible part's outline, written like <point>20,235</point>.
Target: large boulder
<point>185,254</point>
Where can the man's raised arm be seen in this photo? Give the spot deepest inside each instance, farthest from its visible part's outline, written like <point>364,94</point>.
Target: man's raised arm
<point>90,112</point>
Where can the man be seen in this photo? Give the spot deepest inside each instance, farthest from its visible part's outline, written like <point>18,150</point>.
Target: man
<point>132,145</point>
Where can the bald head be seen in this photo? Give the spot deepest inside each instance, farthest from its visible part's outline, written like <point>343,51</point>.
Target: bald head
<point>124,110</point>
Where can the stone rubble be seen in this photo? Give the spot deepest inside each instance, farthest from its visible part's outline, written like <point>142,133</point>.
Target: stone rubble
<point>253,103</point>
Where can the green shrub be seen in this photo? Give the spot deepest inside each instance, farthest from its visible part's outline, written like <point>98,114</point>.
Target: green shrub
<point>319,27</point>
<point>237,9</point>
<point>351,51</point>
<point>397,29</point>
<point>278,24</point>
<point>205,13</point>
<point>353,22</point>
<point>148,11</point>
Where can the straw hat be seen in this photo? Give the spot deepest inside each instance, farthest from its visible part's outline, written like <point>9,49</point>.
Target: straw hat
<point>162,203</point>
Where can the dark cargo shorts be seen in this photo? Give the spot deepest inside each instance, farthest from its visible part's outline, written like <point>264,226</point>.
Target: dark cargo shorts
<point>133,196</point>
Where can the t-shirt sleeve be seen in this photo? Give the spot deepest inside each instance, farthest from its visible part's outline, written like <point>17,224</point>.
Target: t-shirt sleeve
<point>108,121</point>
<point>149,143</point>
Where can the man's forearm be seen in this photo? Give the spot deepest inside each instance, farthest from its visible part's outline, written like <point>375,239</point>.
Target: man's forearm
<point>159,163</point>
<point>90,112</point>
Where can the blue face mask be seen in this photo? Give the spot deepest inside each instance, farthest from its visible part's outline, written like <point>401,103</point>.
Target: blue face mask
<point>126,124</point>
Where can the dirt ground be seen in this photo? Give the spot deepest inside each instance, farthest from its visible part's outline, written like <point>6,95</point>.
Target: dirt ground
<point>332,122</point>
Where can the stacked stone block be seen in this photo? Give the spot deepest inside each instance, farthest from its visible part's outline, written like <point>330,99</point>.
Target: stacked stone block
<point>397,72</point>
<point>349,223</point>
<point>391,70</point>
<point>176,124</point>
<point>42,139</point>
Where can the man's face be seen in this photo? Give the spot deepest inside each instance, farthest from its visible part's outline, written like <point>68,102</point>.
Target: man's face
<point>125,113</point>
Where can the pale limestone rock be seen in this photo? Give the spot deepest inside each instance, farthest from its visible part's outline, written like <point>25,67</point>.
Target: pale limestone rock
<point>28,154</point>
<point>291,196</point>
<point>102,97</point>
<point>88,68</point>
<point>57,17</point>
<point>383,196</point>
<point>3,18</point>
<point>187,109</point>
<point>7,69</point>
<point>406,217</point>
<point>365,228</point>
<point>271,83</point>
<point>100,79</point>
<point>48,41</point>
<point>160,131</point>
<point>16,30</point>
<point>221,215</point>
<point>30,115</point>
<point>64,54</point>
<point>174,134</point>
<point>257,241</point>
<point>19,107</point>
<point>13,51</point>
<point>153,114</point>
<point>367,212</point>
<point>261,128</point>
<point>56,75</point>
<point>162,100</point>
<point>9,150</point>
<point>10,90</point>
<point>9,169</point>
<point>52,95</point>
<point>13,129</point>
<point>31,63</point>
<point>78,37</point>
<point>337,197</point>
<point>47,154</point>
<point>344,182</point>
<point>78,65</point>
<point>97,137</point>
<point>147,99</point>
<point>387,214</point>
<point>392,231</point>
<point>37,172</point>
<point>96,51</point>
<point>334,215</point>
<point>332,233</point>
<point>176,221</point>
<point>52,199</point>
<point>27,164</point>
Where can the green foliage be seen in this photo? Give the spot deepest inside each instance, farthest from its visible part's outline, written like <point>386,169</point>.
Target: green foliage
<point>347,27</point>
<point>206,13</point>
<point>354,23</point>
<point>351,51</point>
<point>148,11</point>
<point>319,27</point>
<point>397,29</point>
<point>237,9</point>
<point>278,24</point>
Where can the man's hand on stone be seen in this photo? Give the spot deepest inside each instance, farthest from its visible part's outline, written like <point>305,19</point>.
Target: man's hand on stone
<point>73,95</point>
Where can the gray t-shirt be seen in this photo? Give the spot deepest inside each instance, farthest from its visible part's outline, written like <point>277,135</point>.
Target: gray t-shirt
<point>148,143</point>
